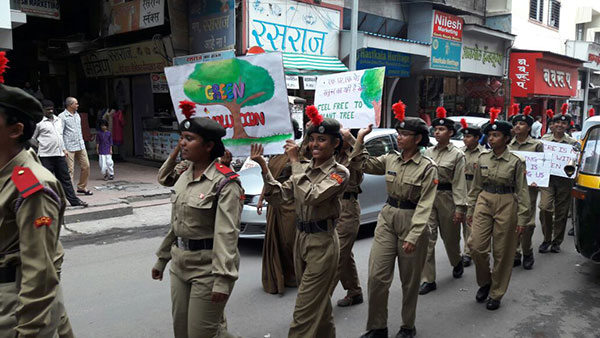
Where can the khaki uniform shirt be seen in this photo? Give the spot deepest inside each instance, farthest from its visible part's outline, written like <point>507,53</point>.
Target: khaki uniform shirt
<point>356,174</point>
<point>413,180</point>
<point>530,144</point>
<point>565,139</point>
<point>315,190</point>
<point>451,169</point>
<point>471,158</point>
<point>508,170</point>
<point>35,248</point>
<point>198,213</point>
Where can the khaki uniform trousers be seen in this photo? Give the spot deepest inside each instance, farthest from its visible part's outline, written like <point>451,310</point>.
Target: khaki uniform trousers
<point>194,314</point>
<point>557,197</point>
<point>466,229</point>
<point>441,217</point>
<point>495,223</point>
<point>81,157</point>
<point>9,301</point>
<point>524,245</point>
<point>386,249</point>
<point>316,257</point>
<point>347,230</point>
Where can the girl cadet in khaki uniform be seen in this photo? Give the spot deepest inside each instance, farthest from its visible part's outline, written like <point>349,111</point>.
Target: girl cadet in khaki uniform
<point>315,187</point>
<point>523,142</point>
<point>202,241</point>
<point>401,232</point>
<point>494,213</point>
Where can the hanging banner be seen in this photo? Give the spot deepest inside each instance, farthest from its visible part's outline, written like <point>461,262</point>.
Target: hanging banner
<point>310,82</point>
<point>562,154</point>
<point>539,166</point>
<point>246,95</point>
<point>353,98</point>
<point>49,9</point>
<point>204,57</point>
<point>292,82</point>
<point>211,25</point>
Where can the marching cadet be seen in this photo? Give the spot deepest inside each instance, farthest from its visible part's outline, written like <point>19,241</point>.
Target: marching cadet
<point>495,215</point>
<point>472,150</point>
<point>401,232</point>
<point>205,221</point>
<point>523,142</point>
<point>32,206</point>
<point>556,198</point>
<point>450,201</point>
<point>315,187</point>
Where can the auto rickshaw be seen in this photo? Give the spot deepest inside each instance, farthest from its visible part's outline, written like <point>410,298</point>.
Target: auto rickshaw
<point>586,193</point>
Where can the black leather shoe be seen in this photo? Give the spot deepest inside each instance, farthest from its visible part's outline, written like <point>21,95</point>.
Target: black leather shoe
<point>571,232</point>
<point>466,261</point>
<point>528,262</point>
<point>482,293</point>
<point>426,288</point>
<point>458,270</point>
<point>544,247</point>
<point>517,261</point>
<point>406,333</point>
<point>350,300</point>
<point>80,203</point>
<point>555,248</point>
<point>377,333</point>
<point>492,304</point>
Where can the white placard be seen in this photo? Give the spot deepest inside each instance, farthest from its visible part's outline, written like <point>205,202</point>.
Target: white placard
<point>562,154</point>
<point>353,98</point>
<point>246,95</point>
<point>539,166</point>
<point>152,13</point>
<point>310,82</point>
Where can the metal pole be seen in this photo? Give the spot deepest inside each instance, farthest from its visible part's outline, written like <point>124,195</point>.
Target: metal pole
<point>586,93</point>
<point>354,34</point>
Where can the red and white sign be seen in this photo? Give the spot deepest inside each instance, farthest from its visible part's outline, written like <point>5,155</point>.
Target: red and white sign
<point>594,58</point>
<point>447,26</point>
<point>542,74</point>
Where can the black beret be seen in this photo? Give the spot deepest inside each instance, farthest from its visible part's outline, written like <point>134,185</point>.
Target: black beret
<point>471,130</point>
<point>328,126</point>
<point>560,117</point>
<point>498,125</point>
<point>17,102</point>
<point>444,122</point>
<point>417,125</point>
<point>522,117</point>
<point>209,129</point>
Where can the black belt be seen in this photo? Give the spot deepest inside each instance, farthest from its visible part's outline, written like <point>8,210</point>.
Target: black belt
<point>469,177</point>
<point>315,226</point>
<point>194,244</point>
<point>401,204</point>
<point>498,189</point>
<point>8,274</point>
<point>349,195</point>
<point>444,186</point>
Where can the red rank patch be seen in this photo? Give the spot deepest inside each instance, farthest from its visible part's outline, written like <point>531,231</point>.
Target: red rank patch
<point>41,221</point>
<point>242,197</point>
<point>436,181</point>
<point>337,177</point>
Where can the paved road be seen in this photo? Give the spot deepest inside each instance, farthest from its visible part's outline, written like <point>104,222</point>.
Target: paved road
<point>109,293</point>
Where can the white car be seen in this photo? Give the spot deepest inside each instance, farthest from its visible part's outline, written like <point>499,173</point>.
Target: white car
<point>458,136</point>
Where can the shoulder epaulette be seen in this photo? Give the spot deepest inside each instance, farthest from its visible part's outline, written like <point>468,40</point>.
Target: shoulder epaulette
<point>225,170</point>
<point>430,159</point>
<point>25,181</point>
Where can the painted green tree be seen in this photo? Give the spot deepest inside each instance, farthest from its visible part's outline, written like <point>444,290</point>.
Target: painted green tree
<point>231,83</point>
<point>372,87</point>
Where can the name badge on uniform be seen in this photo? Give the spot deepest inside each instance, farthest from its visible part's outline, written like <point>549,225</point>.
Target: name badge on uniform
<point>483,166</point>
<point>393,173</point>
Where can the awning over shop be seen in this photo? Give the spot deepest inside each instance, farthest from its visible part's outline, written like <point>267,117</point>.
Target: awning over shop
<point>311,64</point>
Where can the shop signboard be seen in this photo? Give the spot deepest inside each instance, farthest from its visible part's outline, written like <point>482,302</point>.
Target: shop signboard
<point>594,54</point>
<point>522,73</point>
<point>353,98</point>
<point>447,26</point>
<point>482,56</point>
<point>96,64</point>
<point>539,74</point>
<point>310,82</point>
<point>159,83</point>
<point>129,16</point>
<point>49,9</point>
<point>246,95</point>
<point>211,25</point>
<point>294,27</point>
<point>396,64</point>
<point>292,82</point>
<point>137,58</point>
<point>445,54</point>
<point>204,57</point>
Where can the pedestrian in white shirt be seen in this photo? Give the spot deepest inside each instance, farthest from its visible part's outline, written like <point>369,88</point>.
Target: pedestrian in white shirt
<point>48,136</point>
<point>536,128</point>
<point>73,139</point>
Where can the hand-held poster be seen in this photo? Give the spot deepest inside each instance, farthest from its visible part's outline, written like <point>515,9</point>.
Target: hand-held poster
<point>353,98</point>
<point>539,165</point>
<point>246,95</point>
<point>562,154</point>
